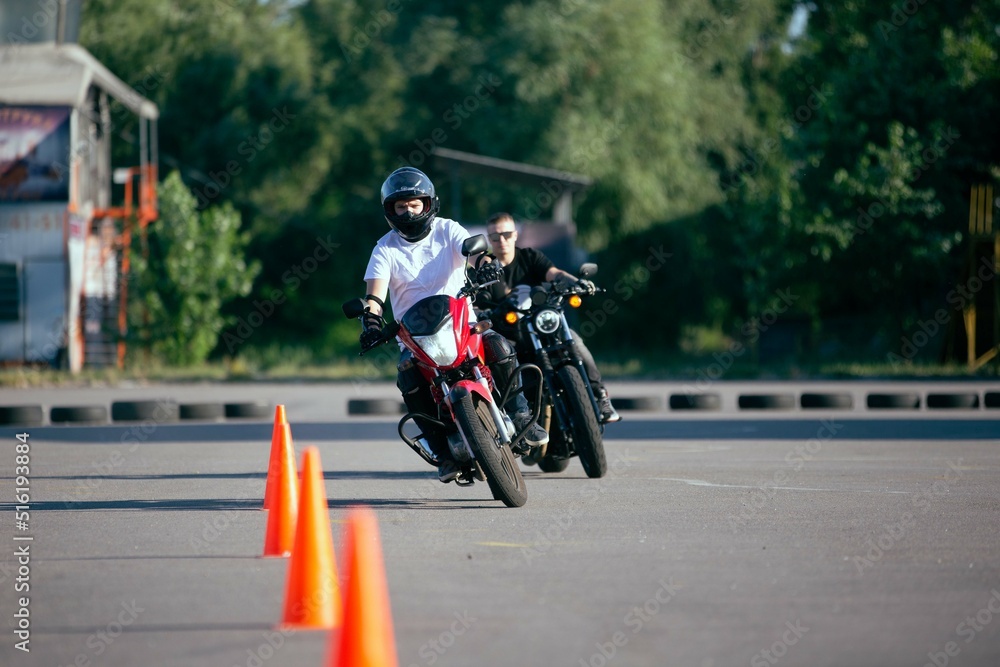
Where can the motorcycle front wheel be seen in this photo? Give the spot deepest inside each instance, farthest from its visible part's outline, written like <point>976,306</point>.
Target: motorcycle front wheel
<point>495,459</point>
<point>587,439</point>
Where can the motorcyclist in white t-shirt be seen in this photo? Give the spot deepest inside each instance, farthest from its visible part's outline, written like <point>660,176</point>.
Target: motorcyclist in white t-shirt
<point>421,256</point>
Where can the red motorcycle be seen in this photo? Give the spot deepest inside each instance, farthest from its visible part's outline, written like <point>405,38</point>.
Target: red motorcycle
<point>449,354</point>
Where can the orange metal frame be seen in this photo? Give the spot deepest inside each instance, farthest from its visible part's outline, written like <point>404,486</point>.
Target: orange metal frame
<point>140,215</point>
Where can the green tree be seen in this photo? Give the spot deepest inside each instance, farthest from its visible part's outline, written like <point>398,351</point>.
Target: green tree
<point>886,161</point>
<point>189,264</point>
<point>243,119</point>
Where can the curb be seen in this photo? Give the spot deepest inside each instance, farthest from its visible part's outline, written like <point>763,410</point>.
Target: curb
<point>165,410</point>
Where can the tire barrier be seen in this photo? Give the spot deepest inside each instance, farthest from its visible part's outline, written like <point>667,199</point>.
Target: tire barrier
<point>159,411</point>
<point>79,414</point>
<point>21,415</point>
<point>638,403</point>
<point>254,410</point>
<point>375,406</point>
<point>168,410</point>
<point>203,411</point>
<point>695,402</point>
<point>894,401</point>
<point>952,401</point>
<point>827,401</point>
<point>766,401</point>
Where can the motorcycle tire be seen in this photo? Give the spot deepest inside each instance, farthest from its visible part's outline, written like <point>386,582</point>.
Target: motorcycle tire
<point>495,459</point>
<point>587,439</point>
<point>549,464</point>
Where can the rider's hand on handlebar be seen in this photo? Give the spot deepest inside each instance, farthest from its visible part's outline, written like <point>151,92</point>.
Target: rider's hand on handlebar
<point>587,286</point>
<point>489,272</point>
<point>372,334</point>
<point>370,338</point>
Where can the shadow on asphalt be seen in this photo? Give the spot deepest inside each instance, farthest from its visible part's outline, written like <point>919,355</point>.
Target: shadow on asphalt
<point>338,474</point>
<point>184,504</point>
<point>252,504</point>
<point>180,627</point>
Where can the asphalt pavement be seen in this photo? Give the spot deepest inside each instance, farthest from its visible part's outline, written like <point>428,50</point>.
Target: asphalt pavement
<point>730,538</point>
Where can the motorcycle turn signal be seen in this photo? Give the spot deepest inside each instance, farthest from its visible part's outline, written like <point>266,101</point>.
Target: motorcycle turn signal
<point>575,300</point>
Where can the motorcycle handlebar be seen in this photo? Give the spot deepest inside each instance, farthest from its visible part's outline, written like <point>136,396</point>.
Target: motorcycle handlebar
<point>392,328</point>
<point>388,333</point>
<point>509,303</point>
<point>472,289</point>
<point>574,289</point>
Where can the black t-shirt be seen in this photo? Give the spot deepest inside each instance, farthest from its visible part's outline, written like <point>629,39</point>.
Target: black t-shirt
<point>528,267</point>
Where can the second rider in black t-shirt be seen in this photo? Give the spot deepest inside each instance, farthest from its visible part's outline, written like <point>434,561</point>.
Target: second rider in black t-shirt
<point>528,266</point>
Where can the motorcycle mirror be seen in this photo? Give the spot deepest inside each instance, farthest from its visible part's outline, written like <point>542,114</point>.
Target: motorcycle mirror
<point>474,245</point>
<point>354,308</point>
<point>587,270</point>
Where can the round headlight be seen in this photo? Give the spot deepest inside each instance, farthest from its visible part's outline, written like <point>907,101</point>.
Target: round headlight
<point>547,321</point>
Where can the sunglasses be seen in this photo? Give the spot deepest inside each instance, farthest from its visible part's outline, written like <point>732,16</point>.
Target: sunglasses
<point>495,236</point>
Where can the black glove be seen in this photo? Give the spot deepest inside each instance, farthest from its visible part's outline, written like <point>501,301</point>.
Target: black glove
<point>489,272</point>
<point>370,338</point>
<point>373,329</point>
<point>587,286</point>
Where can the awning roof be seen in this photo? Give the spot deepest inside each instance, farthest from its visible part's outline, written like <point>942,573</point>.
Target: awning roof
<point>50,74</point>
<point>471,163</point>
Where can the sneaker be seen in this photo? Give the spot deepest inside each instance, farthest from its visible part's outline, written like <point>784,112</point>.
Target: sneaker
<point>535,436</point>
<point>608,413</point>
<point>447,471</point>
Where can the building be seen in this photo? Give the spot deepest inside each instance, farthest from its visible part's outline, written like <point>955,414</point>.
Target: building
<point>64,247</point>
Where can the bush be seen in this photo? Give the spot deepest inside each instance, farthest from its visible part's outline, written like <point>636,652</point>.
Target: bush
<point>187,265</point>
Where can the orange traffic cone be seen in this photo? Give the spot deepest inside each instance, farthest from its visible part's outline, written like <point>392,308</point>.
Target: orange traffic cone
<point>278,436</point>
<point>281,516</point>
<point>312,597</point>
<point>365,638</point>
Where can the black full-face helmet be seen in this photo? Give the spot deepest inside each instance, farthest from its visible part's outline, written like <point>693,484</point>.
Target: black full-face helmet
<point>409,183</point>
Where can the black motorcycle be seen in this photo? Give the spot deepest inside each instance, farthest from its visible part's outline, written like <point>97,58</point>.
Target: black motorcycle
<point>535,319</point>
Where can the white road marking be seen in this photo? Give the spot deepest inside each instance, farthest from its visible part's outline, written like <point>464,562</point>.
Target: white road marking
<point>701,482</point>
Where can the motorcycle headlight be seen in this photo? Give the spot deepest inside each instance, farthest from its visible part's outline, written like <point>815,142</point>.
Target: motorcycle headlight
<point>440,346</point>
<point>547,321</point>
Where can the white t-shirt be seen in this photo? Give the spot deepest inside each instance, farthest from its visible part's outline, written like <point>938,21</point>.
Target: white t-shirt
<point>431,266</point>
